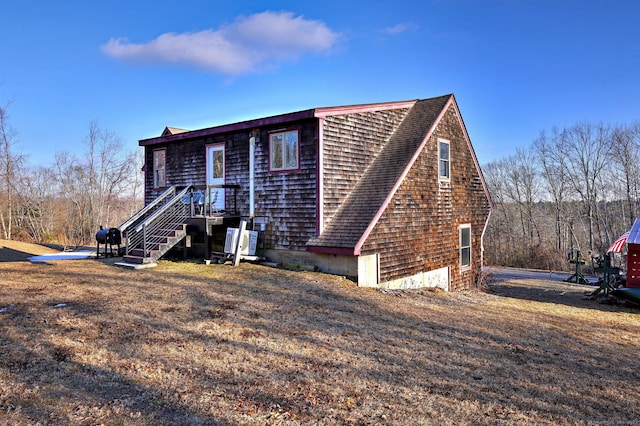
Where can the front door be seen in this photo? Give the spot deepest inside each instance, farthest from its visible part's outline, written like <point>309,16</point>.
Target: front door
<point>215,178</point>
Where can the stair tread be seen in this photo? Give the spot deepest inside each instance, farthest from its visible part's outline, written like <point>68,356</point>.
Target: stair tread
<point>156,249</point>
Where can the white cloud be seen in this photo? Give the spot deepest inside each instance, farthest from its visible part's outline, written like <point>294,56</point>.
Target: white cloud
<point>400,28</point>
<point>244,46</point>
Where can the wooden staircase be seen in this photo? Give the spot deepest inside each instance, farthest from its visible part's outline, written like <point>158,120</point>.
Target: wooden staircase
<point>158,244</point>
<point>154,230</point>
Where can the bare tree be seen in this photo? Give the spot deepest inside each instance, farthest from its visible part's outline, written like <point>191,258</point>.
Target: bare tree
<point>10,165</point>
<point>590,185</point>
<point>499,233</point>
<point>92,185</point>
<point>132,196</point>
<point>110,171</point>
<point>36,199</point>
<point>625,153</point>
<point>553,168</point>
<point>524,189</point>
<point>587,151</point>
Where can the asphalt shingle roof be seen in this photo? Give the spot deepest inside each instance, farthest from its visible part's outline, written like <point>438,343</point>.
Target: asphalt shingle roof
<point>361,206</point>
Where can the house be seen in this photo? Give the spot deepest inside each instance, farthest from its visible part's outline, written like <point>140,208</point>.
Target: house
<point>390,194</point>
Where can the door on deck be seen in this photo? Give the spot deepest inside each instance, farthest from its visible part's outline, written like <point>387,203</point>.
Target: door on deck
<point>215,177</point>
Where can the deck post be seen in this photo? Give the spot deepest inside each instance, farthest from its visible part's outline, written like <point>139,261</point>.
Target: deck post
<point>238,248</point>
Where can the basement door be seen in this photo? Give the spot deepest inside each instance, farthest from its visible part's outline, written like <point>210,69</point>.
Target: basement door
<point>215,177</point>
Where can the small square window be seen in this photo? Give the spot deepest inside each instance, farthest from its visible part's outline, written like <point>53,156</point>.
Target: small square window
<point>283,151</point>
<point>444,159</point>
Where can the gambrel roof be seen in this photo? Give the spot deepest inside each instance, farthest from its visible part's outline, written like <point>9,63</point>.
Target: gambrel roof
<point>349,228</point>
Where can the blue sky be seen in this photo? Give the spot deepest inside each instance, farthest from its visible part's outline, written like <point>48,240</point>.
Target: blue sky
<point>516,66</point>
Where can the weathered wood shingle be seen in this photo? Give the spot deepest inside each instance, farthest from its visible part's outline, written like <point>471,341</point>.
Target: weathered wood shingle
<point>419,229</point>
<point>357,212</point>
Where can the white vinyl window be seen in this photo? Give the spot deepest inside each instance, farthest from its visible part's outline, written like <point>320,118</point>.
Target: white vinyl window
<point>444,159</point>
<point>465,246</point>
<point>283,151</point>
<point>159,168</point>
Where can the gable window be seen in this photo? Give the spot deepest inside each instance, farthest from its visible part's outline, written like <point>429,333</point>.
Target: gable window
<point>444,159</point>
<point>283,151</point>
<point>465,246</point>
<point>159,163</point>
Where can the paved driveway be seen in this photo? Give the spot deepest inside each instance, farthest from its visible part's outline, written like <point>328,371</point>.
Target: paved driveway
<point>506,274</point>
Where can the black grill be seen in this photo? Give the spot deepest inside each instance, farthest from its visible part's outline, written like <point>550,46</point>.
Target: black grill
<point>109,238</point>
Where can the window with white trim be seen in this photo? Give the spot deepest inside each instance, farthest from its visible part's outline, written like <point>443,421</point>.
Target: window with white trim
<point>465,246</point>
<point>159,168</point>
<point>444,159</point>
<point>283,151</point>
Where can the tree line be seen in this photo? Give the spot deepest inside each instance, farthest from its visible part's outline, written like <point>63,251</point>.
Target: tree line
<point>67,202</point>
<point>572,188</point>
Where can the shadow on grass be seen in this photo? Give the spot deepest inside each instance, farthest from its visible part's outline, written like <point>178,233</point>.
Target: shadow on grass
<point>10,255</point>
<point>401,351</point>
<point>293,344</point>
<point>70,392</point>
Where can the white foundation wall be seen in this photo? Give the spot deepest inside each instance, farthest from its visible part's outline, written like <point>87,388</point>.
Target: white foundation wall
<point>337,264</point>
<point>438,278</point>
<point>369,270</point>
<point>364,268</point>
<point>328,263</point>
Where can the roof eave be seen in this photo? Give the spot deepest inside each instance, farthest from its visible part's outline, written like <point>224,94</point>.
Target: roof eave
<point>233,127</point>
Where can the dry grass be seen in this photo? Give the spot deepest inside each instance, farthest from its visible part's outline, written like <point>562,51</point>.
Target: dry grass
<point>84,342</point>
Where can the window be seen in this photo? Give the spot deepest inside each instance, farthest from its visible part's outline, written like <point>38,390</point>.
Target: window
<point>465,246</point>
<point>218,164</point>
<point>283,151</point>
<point>159,162</point>
<point>444,159</point>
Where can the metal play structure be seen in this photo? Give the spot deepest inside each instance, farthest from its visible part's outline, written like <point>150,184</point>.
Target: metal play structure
<point>610,275</point>
<point>575,257</point>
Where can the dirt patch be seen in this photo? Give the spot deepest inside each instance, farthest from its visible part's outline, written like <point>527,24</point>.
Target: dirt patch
<point>83,342</point>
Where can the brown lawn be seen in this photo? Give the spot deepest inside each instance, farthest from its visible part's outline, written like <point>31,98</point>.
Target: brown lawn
<point>85,342</point>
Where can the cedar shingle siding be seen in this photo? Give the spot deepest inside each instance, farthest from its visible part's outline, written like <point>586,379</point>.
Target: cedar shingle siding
<point>379,178</point>
<point>419,230</point>
<point>287,199</point>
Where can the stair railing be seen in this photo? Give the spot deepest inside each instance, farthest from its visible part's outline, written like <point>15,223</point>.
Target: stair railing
<point>146,235</point>
<point>147,210</point>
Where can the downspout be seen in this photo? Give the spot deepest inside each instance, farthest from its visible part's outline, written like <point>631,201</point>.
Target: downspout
<point>320,177</point>
<point>252,150</point>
